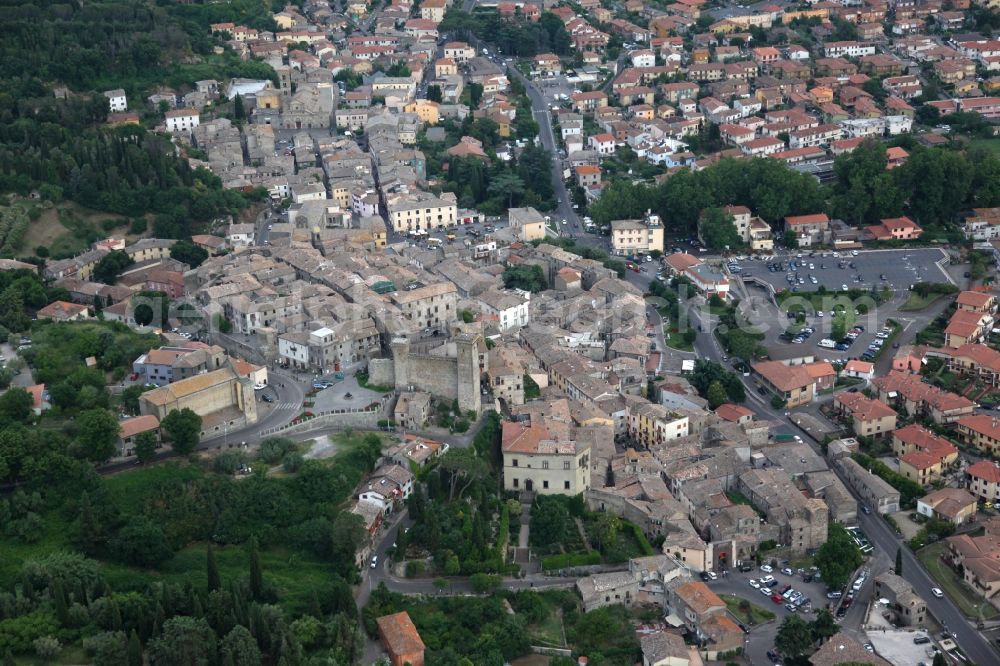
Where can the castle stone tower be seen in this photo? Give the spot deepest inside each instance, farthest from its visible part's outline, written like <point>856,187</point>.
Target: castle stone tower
<point>400,358</point>
<point>467,369</point>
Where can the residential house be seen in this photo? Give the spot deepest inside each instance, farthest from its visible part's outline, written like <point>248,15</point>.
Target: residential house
<point>952,505</point>
<point>982,479</point>
<point>899,228</point>
<point>401,639</point>
<point>869,417</point>
<point>792,383</point>
<point>130,429</point>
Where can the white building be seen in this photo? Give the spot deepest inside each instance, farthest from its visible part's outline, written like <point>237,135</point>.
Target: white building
<point>182,120</point>
<point>511,308</point>
<point>293,349</point>
<point>116,100</point>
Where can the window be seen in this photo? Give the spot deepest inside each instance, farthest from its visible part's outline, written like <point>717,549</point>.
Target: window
<point>566,464</point>
<point>545,464</point>
<point>545,484</point>
<point>513,463</point>
<point>515,483</point>
<point>565,485</point>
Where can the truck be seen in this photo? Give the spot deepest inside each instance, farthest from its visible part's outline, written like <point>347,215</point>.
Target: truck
<point>783,437</point>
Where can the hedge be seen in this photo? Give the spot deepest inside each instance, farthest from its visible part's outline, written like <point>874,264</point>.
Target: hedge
<point>568,560</point>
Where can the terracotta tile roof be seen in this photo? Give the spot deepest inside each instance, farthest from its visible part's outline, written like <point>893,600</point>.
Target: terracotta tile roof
<point>400,634</point>
<point>985,470</point>
<point>860,367</point>
<point>864,408</point>
<point>964,323</point>
<point>731,412</point>
<point>132,427</point>
<point>698,597</point>
<point>680,261</point>
<point>919,460</point>
<point>976,299</point>
<point>820,369</point>
<point>913,389</point>
<point>949,502</point>
<point>925,441</point>
<point>783,377</point>
<point>983,424</point>
<point>800,220</point>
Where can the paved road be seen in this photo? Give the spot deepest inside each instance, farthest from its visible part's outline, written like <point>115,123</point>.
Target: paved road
<point>976,647</point>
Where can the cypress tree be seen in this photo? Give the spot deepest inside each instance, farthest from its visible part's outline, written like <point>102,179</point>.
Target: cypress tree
<point>116,616</point>
<point>158,619</point>
<point>134,650</point>
<point>214,582</point>
<point>59,601</point>
<point>899,561</point>
<point>256,575</point>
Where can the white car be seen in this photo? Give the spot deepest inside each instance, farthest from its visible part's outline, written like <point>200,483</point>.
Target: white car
<point>755,584</point>
<point>937,592</point>
<point>854,253</point>
<point>712,575</point>
<point>766,568</point>
<point>843,287</point>
<point>766,579</point>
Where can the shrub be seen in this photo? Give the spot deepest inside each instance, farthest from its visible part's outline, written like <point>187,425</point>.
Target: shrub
<point>414,568</point>
<point>570,560</point>
<point>228,462</point>
<point>292,462</point>
<point>273,449</point>
<point>47,647</point>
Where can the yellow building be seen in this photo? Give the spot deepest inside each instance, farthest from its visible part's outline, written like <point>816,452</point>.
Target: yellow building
<point>920,467</point>
<point>425,109</point>
<point>637,236</point>
<point>222,398</point>
<point>536,461</point>
<point>792,383</point>
<point>529,223</point>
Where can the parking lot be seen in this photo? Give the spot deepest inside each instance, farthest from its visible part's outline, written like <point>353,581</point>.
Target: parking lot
<point>812,594</point>
<point>897,269</point>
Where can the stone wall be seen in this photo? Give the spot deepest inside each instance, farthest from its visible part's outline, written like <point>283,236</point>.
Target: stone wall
<point>381,372</point>
<point>436,375</point>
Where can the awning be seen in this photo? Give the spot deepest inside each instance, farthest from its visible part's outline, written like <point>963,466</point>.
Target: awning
<point>674,621</point>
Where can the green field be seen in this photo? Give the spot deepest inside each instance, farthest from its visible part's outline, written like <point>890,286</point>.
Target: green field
<point>756,614</point>
<point>967,601</point>
<point>916,302</point>
<point>991,143</point>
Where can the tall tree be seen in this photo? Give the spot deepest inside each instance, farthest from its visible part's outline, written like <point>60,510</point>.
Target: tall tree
<point>134,650</point>
<point>212,570</point>
<point>184,428</point>
<point>824,627</point>
<point>717,230</point>
<point>899,562</point>
<point>145,446</point>
<point>838,557</point>
<point>794,637</point>
<point>463,466</point>
<point>256,573</point>
<point>716,395</point>
<point>97,434</point>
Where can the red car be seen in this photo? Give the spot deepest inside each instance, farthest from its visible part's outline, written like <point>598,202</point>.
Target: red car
<point>777,598</point>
